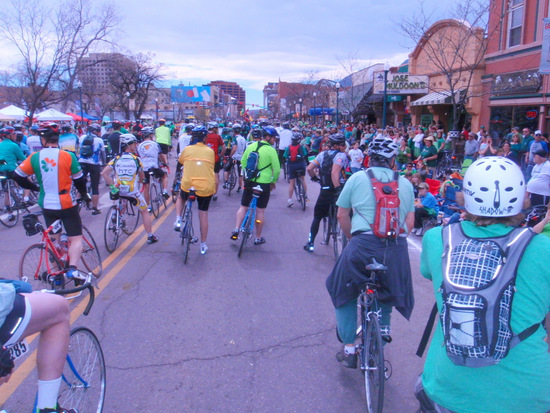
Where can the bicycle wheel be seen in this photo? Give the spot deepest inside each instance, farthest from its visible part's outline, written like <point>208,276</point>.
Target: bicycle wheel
<point>176,187</point>
<point>84,373</point>
<point>9,213</point>
<point>326,231</point>
<point>372,363</point>
<point>153,199</point>
<point>130,218</point>
<point>33,267</point>
<point>188,234</point>
<point>111,231</point>
<point>247,230</point>
<point>340,240</point>
<point>232,179</point>
<point>90,253</point>
<point>301,195</point>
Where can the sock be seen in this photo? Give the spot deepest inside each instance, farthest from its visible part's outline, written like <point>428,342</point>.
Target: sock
<point>47,393</point>
<point>150,235</point>
<point>349,350</point>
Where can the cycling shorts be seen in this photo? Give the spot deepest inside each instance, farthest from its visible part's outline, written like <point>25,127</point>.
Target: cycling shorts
<point>203,202</point>
<point>164,148</point>
<point>157,173</point>
<point>138,196</point>
<point>247,194</point>
<point>294,168</point>
<point>70,218</point>
<point>95,172</point>
<point>218,166</point>
<point>16,321</point>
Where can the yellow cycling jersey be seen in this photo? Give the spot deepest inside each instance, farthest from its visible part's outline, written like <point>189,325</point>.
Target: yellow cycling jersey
<point>127,167</point>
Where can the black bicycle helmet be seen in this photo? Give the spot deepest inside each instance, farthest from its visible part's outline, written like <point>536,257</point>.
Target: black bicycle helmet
<point>383,147</point>
<point>257,134</point>
<point>49,131</point>
<point>337,139</point>
<point>189,128</point>
<point>94,128</point>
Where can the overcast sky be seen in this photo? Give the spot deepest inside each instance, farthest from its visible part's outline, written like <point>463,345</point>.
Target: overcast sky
<point>253,42</point>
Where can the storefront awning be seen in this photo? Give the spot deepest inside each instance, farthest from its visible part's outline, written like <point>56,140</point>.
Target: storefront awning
<point>435,98</point>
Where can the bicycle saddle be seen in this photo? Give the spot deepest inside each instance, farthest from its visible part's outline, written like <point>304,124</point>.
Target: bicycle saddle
<point>376,266</point>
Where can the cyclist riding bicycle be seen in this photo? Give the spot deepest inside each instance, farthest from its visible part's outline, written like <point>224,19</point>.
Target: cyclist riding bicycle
<point>268,172</point>
<point>215,142</point>
<point>163,136</point>
<point>494,194</point>
<point>10,152</point>
<point>238,146</point>
<point>198,172</point>
<point>349,273</point>
<point>150,154</point>
<point>295,155</point>
<point>92,156</point>
<point>128,171</point>
<point>23,314</point>
<point>332,164</point>
<point>56,171</point>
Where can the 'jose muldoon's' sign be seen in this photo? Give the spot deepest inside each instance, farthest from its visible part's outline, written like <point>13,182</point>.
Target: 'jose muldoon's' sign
<point>401,84</point>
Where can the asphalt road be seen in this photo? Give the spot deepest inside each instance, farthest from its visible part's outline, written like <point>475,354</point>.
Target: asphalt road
<point>249,334</point>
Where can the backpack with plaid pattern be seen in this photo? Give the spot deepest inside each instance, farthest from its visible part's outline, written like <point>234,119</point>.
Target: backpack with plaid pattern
<point>478,286</point>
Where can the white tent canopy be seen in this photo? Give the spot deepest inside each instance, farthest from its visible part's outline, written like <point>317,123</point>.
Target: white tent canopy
<point>12,113</point>
<point>51,115</point>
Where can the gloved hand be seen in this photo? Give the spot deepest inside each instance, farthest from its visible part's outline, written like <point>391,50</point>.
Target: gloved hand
<point>315,179</point>
<point>6,362</point>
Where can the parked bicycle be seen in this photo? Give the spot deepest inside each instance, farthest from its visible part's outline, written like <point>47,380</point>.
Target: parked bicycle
<point>247,227</point>
<point>332,230</point>
<point>371,341</point>
<point>83,382</point>
<point>187,234</point>
<point>122,218</point>
<point>43,264</point>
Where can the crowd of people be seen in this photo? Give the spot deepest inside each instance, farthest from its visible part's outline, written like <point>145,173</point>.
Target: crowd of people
<point>493,176</point>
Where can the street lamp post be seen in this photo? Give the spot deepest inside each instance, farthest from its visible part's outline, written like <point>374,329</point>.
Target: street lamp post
<point>337,102</point>
<point>386,70</point>
<point>314,108</point>
<point>300,100</point>
<point>157,109</point>
<point>81,109</point>
<point>174,111</point>
<point>128,103</point>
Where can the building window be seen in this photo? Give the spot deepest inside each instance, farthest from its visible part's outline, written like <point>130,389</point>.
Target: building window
<point>515,20</point>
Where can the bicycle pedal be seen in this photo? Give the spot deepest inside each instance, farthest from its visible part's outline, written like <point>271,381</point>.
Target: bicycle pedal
<point>194,240</point>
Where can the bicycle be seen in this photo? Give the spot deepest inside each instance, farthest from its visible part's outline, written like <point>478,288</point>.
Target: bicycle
<point>232,177</point>
<point>11,202</point>
<point>187,234</point>
<point>83,382</point>
<point>122,217</point>
<point>156,198</point>
<point>247,227</point>
<point>176,185</point>
<point>42,263</point>
<point>332,229</point>
<point>299,190</point>
<point>371,347</point>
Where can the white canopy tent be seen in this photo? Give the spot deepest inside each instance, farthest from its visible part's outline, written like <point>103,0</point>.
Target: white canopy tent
<point>12,113</point>
<point>52,114</point>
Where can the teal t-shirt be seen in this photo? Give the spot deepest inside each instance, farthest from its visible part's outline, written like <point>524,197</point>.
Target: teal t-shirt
<point>358,194</point>
<point>520,382</point>
<point>11,153</point>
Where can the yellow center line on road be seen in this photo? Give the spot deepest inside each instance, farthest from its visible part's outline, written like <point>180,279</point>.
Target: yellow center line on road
<point>28,365</point>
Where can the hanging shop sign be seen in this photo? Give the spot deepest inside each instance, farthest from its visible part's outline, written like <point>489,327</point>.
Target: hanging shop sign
<point>400,84</point>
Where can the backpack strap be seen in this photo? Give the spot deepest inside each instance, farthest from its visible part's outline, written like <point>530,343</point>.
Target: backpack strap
<point>427,332</point>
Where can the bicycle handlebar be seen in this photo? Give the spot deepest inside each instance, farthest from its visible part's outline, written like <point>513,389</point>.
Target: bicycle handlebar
<point>87,285</point>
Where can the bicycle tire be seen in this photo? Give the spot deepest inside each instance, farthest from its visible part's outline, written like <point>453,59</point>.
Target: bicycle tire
<point>130,218</point>
<point>232,181</point>
<point>162,199</point>
<point>176,187</point>
<point>153,199</point>
<point>247,232</point>
<point>90,253</point>
<point>301,192</point>
<point>84,374</point>
<point>111,229</point>
<point>372,363</point>
<point>10,216</point>
<point>326,230</point>
<point>188,233</point>
<point>340,240</point>
<point>34,269</point>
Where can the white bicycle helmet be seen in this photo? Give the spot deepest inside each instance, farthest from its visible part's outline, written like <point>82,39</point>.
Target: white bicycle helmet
<point>127,139</point>
<point>494,187</point>
<point>384,147</point>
